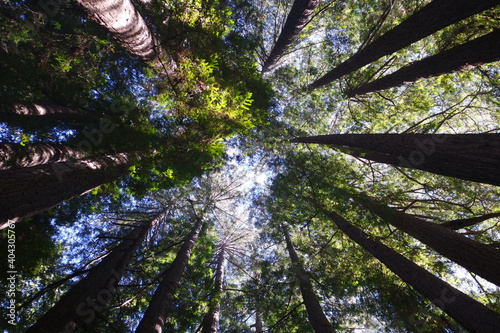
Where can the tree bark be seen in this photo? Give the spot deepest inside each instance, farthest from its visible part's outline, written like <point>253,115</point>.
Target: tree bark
<point>19,114</point>
<point>128,27</point>
<point>300,14</point>
<point>474,157</point>
<point>157,311</point>
<point>463,223</point>
<point>78,307</point>
<point>479,51</point>
<point>472,315</point>
<point>28,191</point>
<point>210,322</point>
<point>315,313</point>
<point>14,155</point>
<point>435,16</point>
<point>474,256</point>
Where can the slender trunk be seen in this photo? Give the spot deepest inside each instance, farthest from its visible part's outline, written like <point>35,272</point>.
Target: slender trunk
<point>297,19</point>
<point>28,191</point>
<point>435,16</point>
<point>315,313</point>
<point>479,51</point>
<point>210,322</point>
<point>462,223</point>
<point>78,307</point>
<point>259,325</point>
<point>474,256</point>
<point>128,27</point>
<point>157,311</point>
<point>474,157</point>
<point>14,155</point>
<point>469,313</point>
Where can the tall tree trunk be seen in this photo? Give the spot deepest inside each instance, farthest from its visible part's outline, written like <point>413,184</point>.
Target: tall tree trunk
<point>210,322</point>
<point>128,27</point>
<point>462,223</point>
<point>78,307</point>
<point>14,155</point>
<point>474,256</point>
<point>471,314</point>
<point>479,51</point>
<point>28,191</point>
<point>431,18</point>
<point>315,313</point>
<point>474,157</point>
<point>297,19</point>
<point>157,311</point>
<point>259,325</point>
<point>19,114</point>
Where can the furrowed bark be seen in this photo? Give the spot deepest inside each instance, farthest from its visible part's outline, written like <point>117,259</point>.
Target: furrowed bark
<point>472,315</point>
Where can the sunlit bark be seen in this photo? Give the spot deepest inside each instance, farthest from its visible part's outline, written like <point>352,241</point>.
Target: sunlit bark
<point>13,155</point>
<point>299,16</point>
<point>477,52</point>
<point>157,311</point>
<point>126,24</point>
<point>433,17</point>
<point>474,157</point>
<point>38,112</point>
<point>28,191</point>
<point>471,314</point>
<point>77,309</point>
<point>315,313</point>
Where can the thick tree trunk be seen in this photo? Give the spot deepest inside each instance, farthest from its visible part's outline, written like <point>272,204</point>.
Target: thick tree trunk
<point>28,191</point>
<point>433,17</point>
<point>210,322</point>
<point>472,315</point>
<point>463,223</point>
<point>14,155</point>
<point>128,27</point>
<point>315,313</point>
<point>157,311</point>
<point>482,259</point>
<point>474,157</point>
<point>19,114</point>
<point>297,19</point>
<point>479,51</point>
<point>78,307</point>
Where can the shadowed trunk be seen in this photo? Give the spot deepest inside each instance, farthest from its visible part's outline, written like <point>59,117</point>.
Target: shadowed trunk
<point>259,325</point>
<point>210,322</point>
<point>14,155</point>
<point>474,256</point>
<point>28,191</point>
<point>431,18</point>
<point>78,307</point>
<point>479,51</point>
<point>469,313</point>
<point>315,313</point>
<point>19,114</point>
<point>297,19</point>
<point>462,223</point>
<point>474,157</point>
<point>129,28</point>
<point>157,311</point>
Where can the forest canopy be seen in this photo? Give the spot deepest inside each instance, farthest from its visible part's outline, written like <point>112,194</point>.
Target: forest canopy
<point>250,166</point>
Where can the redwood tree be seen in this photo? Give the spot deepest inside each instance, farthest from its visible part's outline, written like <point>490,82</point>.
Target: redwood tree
<point>315,313</point>
<point>471,314</point>
<point>479,51</point>
<point>78,307</point>
<point>474,157</point>
<point>27,191</point>
<point>297,19</point>
<point>14,155</point>
<point>157,311</point>
<point>435,16</point>
<point>210,322</point>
